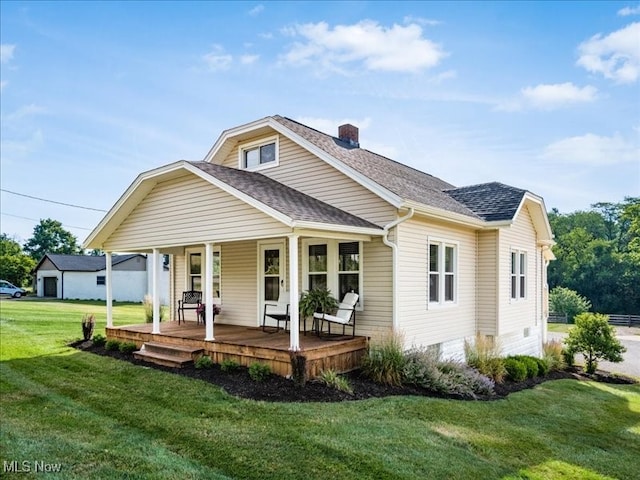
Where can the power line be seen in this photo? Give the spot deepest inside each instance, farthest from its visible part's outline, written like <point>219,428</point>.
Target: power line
<point>35,220</point>
<point>52,201</point>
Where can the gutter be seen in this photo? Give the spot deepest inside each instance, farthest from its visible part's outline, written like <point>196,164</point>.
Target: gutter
<point>394,251</point>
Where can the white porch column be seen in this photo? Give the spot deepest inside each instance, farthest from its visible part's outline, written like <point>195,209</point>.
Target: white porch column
<point>154,291</point>
<point>208,290</point>
<point>294,291</point>
<point>109,293</point>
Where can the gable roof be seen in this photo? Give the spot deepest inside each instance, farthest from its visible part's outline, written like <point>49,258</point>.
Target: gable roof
<point>83,263</point>
<point>286,200</point>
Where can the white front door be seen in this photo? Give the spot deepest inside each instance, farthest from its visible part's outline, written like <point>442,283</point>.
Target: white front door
<point>272,273</point>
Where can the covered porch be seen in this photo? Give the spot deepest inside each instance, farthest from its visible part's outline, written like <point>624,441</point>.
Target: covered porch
<point>247,345</point>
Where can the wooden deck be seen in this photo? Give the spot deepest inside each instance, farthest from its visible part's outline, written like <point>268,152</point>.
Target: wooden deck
<point>247,345</point>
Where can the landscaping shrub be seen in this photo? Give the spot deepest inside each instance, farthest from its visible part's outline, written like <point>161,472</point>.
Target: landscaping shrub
<point>204,362</point>
<point>332,379</point>
<point>384,362</point>
<point>516,370</point>
<point>568,357</point>
<point>424,369</point>
<point>530,363</point>
<point>595,339</point>
<point>148,309</point>
<point>552,353</point>
<point>229,365</point>
<point>128,347</point>
<point>99,340</point>
<point>112,344</point>
<point>259,372</point>
<point>543,366</point>
<point>484,356</point>
<point>566,301</point>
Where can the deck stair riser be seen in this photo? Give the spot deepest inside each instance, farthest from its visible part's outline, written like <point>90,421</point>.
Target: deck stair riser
<point>176,356</point>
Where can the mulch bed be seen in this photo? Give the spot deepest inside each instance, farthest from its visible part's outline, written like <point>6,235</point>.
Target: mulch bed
<point>280,389</point>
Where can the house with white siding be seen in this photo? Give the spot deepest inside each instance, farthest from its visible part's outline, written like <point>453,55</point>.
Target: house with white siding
<point>83,277</point>
<point>278,206</point>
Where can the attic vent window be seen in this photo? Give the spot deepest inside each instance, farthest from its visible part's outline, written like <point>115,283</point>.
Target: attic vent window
<point>258,155</point>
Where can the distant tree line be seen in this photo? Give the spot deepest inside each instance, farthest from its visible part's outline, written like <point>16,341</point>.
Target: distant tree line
<point>17,261</point>
<point>598,255</point>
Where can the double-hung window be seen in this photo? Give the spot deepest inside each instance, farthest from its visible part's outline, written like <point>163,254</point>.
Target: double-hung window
<point>195,271</point>
<point>518,275</point>
<point>442,264</point>
<point>260,154</point>
<point>334,265</point>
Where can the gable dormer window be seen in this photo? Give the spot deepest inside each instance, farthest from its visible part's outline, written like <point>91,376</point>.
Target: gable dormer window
<point>260,154</point>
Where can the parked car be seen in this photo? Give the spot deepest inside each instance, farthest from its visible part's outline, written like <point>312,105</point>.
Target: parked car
<point>7,288</point>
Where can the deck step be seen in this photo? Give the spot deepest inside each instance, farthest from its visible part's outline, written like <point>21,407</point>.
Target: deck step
<point>175,356</point>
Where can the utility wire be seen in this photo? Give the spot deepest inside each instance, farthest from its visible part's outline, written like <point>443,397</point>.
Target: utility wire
<point>35,220</point>
<point>52,201</point>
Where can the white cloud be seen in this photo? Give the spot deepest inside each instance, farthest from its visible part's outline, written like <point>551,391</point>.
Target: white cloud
<point>25,111</point>
<point>249,59</point>
<point>3,84</point>
<point>427,22</point>
<point>397,48</point>
<point>616,56</point>
<point>257,10</point>
<point>549,97</point>
<point>626,11</point>
<point>593,150</point>
<point>6,52</point>
<point>217,59</point>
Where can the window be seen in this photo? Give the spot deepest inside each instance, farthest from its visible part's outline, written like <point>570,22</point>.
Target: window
<point>256,155</point>
<point>518,275</point>
<point>101,280</point>
<point>334,265</point>
<point>195,271</point>
<point>442,272</point>
<point>348,268</point>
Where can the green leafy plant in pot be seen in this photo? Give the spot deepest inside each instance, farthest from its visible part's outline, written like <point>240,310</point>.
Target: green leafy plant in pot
<point>317,300</point>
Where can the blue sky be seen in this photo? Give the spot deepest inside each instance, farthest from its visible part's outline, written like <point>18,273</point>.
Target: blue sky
<point>543,95</point>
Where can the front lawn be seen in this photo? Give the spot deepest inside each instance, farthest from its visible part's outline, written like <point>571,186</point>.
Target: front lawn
<point>102,418</point>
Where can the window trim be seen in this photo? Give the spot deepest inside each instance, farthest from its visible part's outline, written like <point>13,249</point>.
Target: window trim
<point>518,295</point>
<point>442,273</point>
<point>243,148</point>
<point>333,267</point>
<point>187,269</point>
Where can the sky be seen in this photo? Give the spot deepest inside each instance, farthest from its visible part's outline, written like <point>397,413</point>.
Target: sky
<point>544,96</point>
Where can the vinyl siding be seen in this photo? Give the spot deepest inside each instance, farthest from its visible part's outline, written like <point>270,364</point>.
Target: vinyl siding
<point>427,326</point>
<point>487,282</point>
<point>189,210</point>
<point>376,318</point>
<point>303,171</point>
<point>519,314</point>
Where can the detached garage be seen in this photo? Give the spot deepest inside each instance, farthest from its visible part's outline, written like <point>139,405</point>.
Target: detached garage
<point>83,277</point>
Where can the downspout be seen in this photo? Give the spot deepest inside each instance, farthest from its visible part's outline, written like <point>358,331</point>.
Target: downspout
<point>394,251</point>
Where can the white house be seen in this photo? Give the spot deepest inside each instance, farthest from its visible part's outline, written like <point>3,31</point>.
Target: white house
<point>84,277</point>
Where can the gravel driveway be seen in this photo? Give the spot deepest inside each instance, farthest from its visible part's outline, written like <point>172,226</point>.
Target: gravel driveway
<point>630,338</point>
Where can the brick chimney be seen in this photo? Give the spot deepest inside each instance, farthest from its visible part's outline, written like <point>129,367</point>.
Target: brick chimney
<point>348,133</point>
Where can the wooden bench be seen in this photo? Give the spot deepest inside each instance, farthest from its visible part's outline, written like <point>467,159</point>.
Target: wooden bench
<point>191,300</point>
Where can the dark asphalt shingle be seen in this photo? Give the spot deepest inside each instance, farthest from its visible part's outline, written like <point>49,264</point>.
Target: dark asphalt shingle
<point>490,201</point>
<point>83,263</point>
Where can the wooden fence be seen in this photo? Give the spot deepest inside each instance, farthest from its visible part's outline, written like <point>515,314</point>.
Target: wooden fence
<point>616,320</point>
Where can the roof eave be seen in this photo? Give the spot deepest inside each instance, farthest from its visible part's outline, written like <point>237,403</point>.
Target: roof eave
<point>332,227</point>
<point>445,215</point>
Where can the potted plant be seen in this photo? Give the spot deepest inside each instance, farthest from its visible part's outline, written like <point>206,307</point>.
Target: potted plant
<point>317,300</point>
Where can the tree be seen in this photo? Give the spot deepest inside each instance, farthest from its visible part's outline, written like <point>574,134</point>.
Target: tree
<point>595,339</point>
<point>569,302</point>
<point>15,266</point>
<point>50,237</point>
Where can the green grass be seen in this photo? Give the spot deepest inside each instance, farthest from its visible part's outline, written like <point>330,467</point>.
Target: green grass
<point>559,327</point>
<point>103,418</point>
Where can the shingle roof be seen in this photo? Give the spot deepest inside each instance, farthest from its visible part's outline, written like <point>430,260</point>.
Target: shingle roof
<point>84,263</point>
<point>406,182</point>
<point>292,203</point>
<point>490,201</point>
